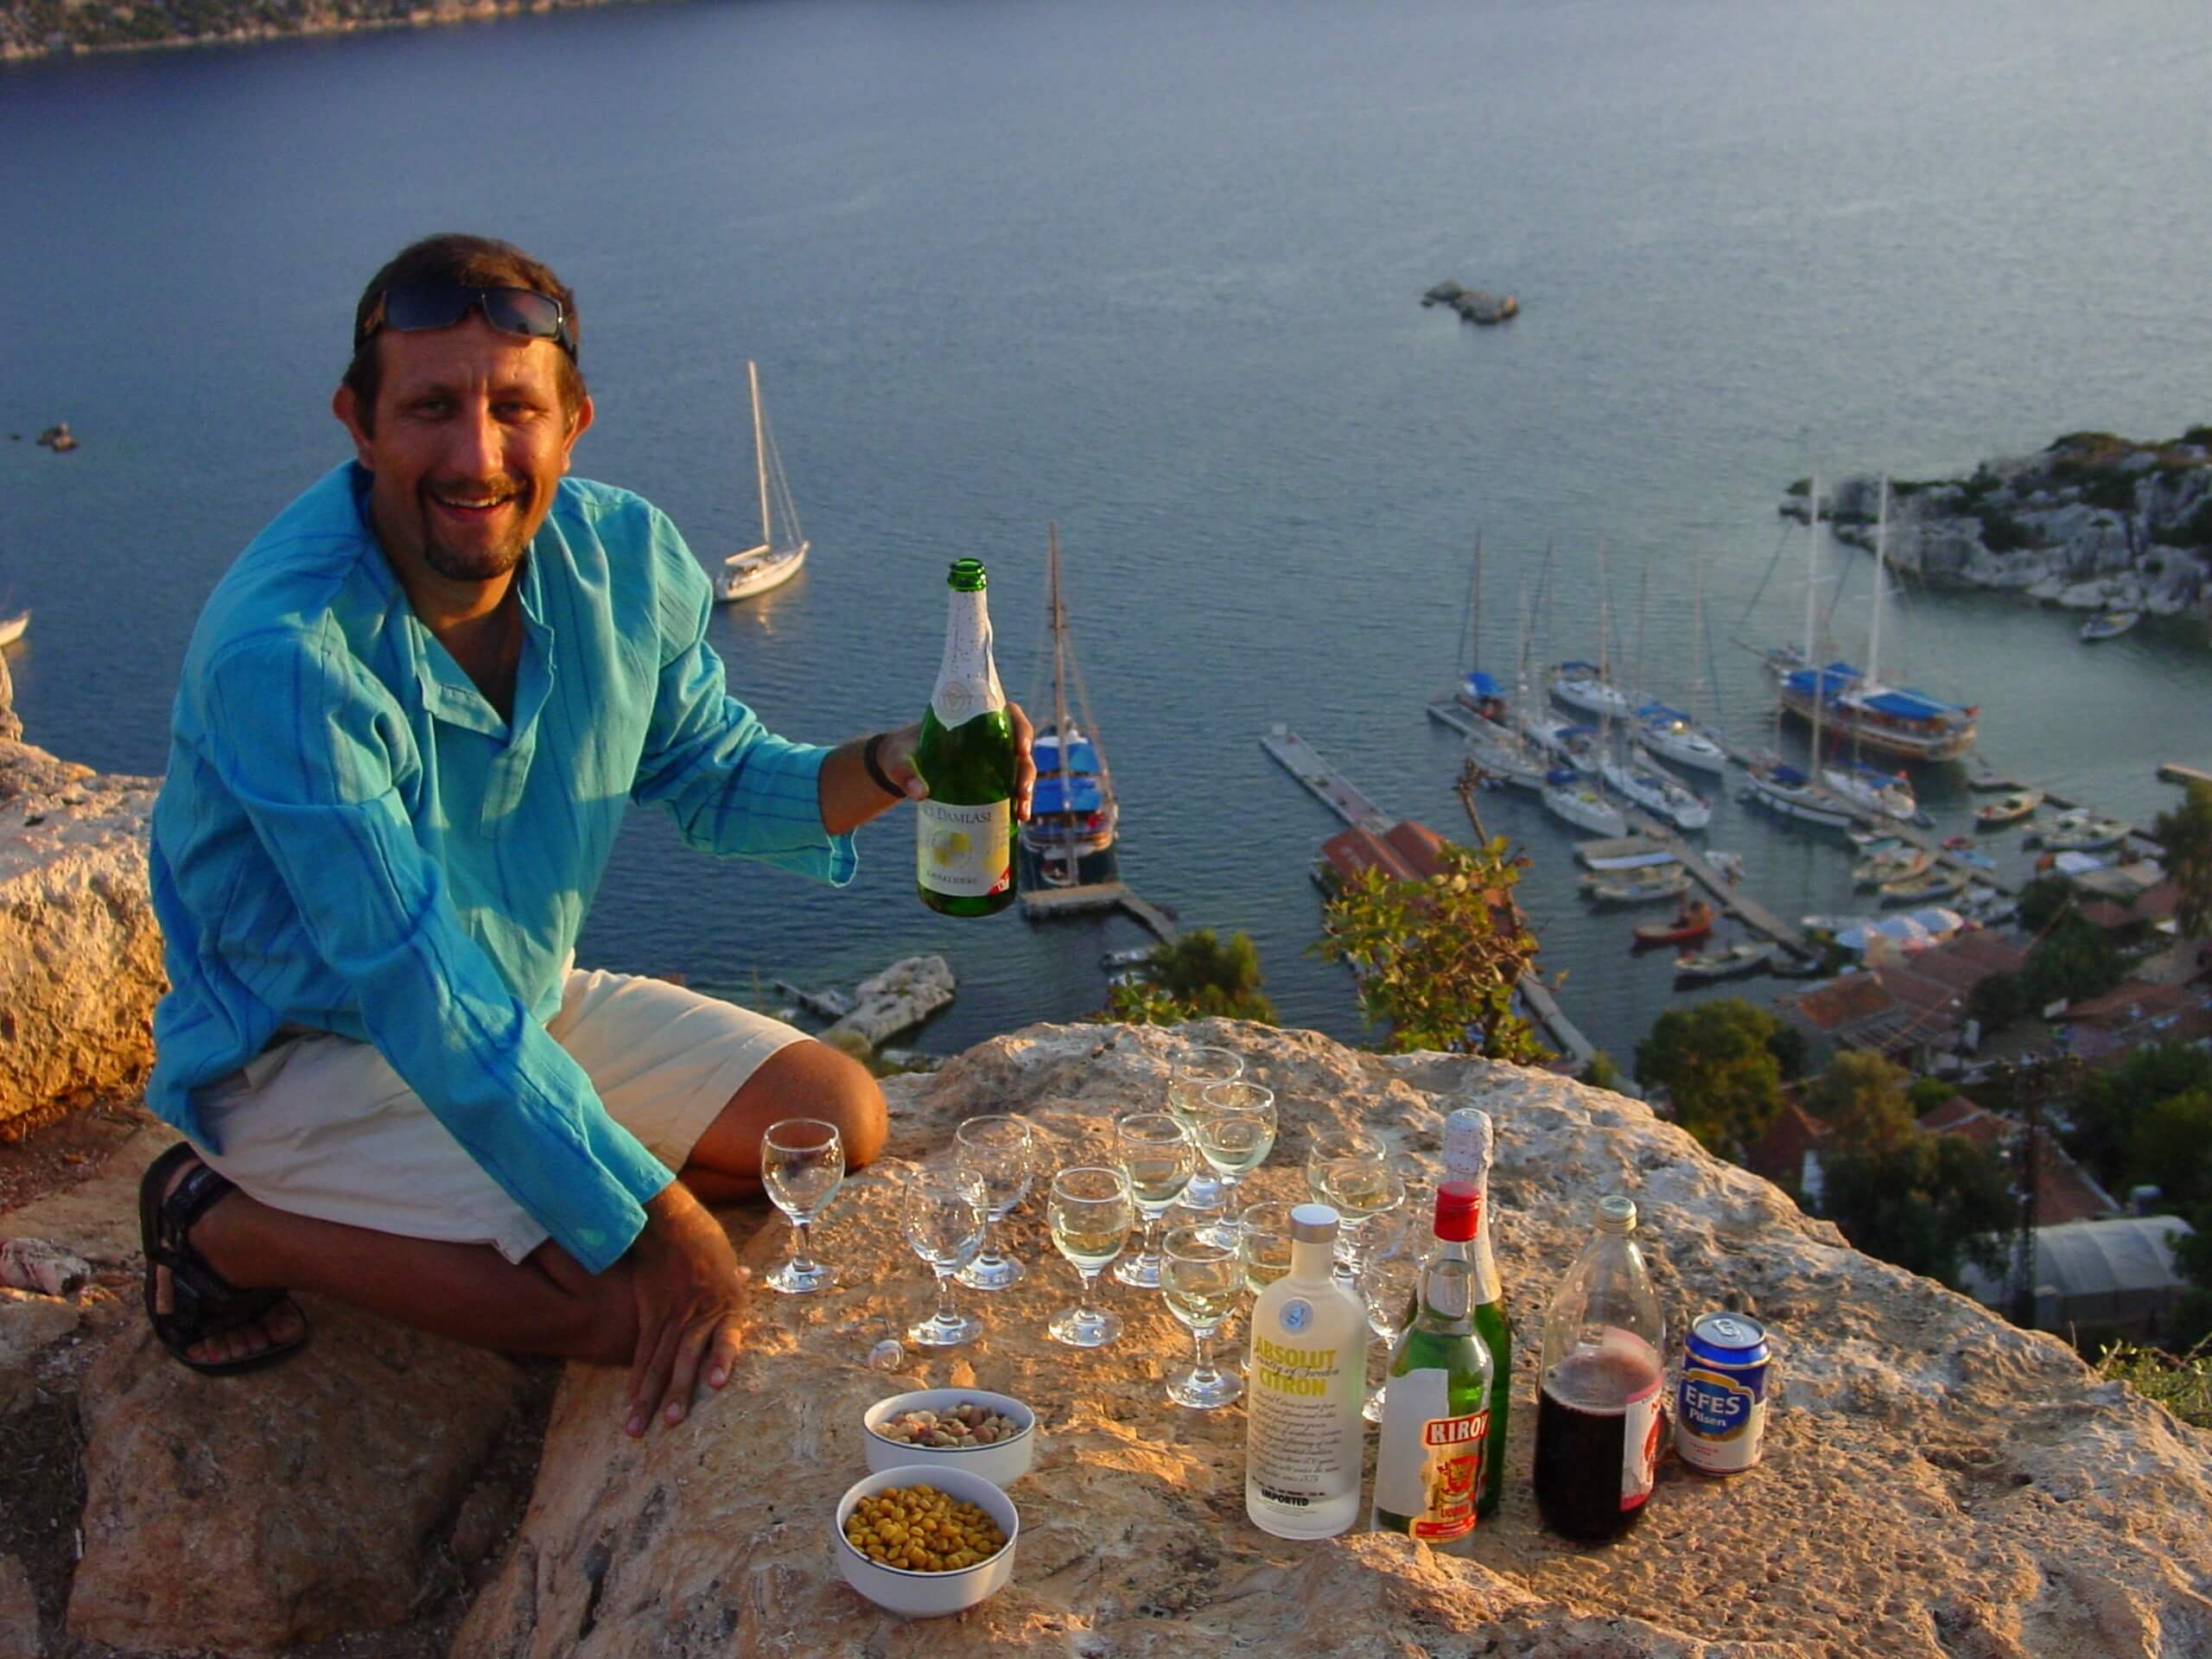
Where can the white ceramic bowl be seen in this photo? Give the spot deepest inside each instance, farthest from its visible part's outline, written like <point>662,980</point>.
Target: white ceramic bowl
<point>927,1595</point>
<point>1003,1462</point>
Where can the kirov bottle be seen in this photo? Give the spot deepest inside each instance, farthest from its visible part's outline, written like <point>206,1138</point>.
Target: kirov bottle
<point>964,852</point>
<point>1599,1421</point>
<point>1436,1412</point>
<point>1470,1145</point>
<point>1304,1437</point>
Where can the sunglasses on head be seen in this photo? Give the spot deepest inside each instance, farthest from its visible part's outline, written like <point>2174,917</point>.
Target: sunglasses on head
<point>415,308</point>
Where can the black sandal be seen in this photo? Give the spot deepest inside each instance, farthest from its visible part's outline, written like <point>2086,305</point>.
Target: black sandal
<point>202,1303</point>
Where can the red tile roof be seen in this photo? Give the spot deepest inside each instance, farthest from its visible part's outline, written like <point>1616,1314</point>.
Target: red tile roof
<point>2129,1004</point>
<point>1780,1153</point>
<point>2063,1190</point>
<point>1841,1002</point>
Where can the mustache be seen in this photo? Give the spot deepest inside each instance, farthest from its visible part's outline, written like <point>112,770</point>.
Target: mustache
<point>501,484</point>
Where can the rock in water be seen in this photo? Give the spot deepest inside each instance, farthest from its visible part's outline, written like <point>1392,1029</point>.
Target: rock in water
<point>904,994</point>
<point>1935,1481</point>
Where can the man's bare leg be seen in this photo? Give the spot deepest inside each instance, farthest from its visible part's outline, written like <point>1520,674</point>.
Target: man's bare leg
<point>807,1079</point>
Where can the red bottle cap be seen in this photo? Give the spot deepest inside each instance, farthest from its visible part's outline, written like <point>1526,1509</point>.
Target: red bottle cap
<point>1457,1205</point>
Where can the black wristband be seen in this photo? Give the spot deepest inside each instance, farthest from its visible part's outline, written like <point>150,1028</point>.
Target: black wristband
<point>875,767</point>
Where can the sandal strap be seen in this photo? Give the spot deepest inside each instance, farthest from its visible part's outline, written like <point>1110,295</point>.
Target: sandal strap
<point>204,1300</point>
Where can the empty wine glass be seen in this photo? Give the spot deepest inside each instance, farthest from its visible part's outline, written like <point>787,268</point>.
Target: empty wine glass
<point>1389,1281</point>
<point>1189,1070</point>
<point>945,1212</point>
<point>1236,1133</point>
<point>1157,1156</point>
<point>1264,1243</point>
<point>1090,1213</point>
<point>1001,1149</point>
<point>1200,1277</point>
<point>802,1166</point>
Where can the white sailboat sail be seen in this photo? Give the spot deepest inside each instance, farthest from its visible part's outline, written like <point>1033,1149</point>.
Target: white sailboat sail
<point>782,549</point>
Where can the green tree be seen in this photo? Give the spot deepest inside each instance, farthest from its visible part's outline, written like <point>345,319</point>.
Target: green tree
<point>1925,1202</point>
<point>2185,833</point>
<point>1601,1072</point>
<point>2074,960</point>
<point>1998,1000</point>
<point>1926,1094</point>
<point>1437,960</point>
<point>2108,1103</point>
<point>1862,1098</point>
<point>1196,977</point>
<point>1790,1050</point>
<point>2170,1148</point>
<point>1717,1063</point>
<point>2042,900</point>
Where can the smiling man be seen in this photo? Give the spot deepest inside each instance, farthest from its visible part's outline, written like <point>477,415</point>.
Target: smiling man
<point>412,716</point>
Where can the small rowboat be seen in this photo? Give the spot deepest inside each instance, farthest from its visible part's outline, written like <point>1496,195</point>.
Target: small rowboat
<point>1728,963</point>
<point>1901,864</point>
<point>1924,890</point>
<point>1601,892</point>
<point>2109,625</point>
<point>1691,922</point>
<point>2013,808</point>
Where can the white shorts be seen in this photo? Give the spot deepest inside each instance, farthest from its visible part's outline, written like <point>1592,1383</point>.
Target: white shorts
<point>322,1126</point>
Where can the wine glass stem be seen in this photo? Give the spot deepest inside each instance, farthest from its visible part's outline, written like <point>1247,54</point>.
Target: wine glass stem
<point>802,1254</point>
<point>989,1255</point>
<point>1084,1309</point>
<point>946,1313</point>
<point>1203,1371</point>
<point>1150,1248</point>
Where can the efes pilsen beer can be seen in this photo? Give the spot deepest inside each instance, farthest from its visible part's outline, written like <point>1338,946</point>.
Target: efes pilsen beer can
<point>1721,1405</point>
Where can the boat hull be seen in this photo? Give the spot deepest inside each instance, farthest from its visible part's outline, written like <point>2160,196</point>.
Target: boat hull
<point>736,584</point>
<point>1042,868</point>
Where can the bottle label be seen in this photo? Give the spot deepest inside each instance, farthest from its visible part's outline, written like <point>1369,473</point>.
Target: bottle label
<point>1429,1465</point>
<point>964,852</point>
<point>1296,1446</point>
<point>1640,1429</point>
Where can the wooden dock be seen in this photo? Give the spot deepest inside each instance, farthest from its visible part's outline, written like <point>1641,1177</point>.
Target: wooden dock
<point>1731,900</point>
<point>1047,902</point>
<point>1330,787</point>
<point>2172,771</point>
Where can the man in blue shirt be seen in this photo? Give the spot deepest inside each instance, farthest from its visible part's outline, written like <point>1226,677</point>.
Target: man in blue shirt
<point>411,718</point>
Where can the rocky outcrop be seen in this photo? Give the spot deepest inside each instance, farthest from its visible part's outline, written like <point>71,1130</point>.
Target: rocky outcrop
<point>40,27</point>
<point>1936,1482</point>
<point>80,955</point>
<point>1473,304</point>
<point>2094,522</point>
<point>902,995</point>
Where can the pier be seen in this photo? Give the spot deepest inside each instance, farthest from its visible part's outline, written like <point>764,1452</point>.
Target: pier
<point>2172,771</point>
<point>1336,792</point>
<point>1729,897</point>
<point>1043,903</point>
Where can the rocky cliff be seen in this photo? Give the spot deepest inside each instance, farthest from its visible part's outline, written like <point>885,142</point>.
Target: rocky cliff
<point>2094,522</point>
<point>38,27</point>
<point>1936,1483</point>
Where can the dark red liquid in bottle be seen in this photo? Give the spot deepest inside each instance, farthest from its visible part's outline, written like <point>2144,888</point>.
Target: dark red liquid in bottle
<point>1591,1483</point>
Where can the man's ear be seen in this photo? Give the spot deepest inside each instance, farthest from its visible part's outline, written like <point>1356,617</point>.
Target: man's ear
<point>581,424</point>
<point>347,409</point>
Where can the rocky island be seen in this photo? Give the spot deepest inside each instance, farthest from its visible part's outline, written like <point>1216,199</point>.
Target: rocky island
<point>31,28</point>
<point>2094,522</point>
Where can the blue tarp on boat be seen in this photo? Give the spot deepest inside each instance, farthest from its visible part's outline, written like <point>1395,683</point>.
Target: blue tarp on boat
<point>1911,705</point>
<point>1661,711</point>
<point>1789,777</point>
<point>1481,685</point>
<point>1078,793</point>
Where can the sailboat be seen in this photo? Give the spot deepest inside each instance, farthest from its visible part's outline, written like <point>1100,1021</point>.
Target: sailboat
<point>1479,710</point>
<point>1069,838</point>
<point>774,562</point>
<point>1887,794</point>
<point>1781,788</point>
<point>1672,733</point>
<point>1627,769</point>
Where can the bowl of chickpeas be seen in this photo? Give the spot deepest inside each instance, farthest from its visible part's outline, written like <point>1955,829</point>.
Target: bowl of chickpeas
<point>992,1435</point>
<point>921,1540</point>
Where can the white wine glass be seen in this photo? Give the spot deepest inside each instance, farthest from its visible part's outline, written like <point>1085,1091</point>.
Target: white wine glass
<point>1090,1214</point>
<point>1263,1243</point>
<point>944,1212</point>
<point>1236,1133</point>
<point>802,1166</point>
<point>1389,1283</point>
<point>1002,1150</point>
<point>1352,1173</point>
<point>1200,1277</point>
<point>1190,1069</point>
<point>1157,1156</point>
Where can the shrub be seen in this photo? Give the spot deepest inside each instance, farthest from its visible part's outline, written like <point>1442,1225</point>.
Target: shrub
<point>2181,1384</point>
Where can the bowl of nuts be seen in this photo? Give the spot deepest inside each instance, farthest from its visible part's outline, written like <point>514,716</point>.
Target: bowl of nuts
<point>992,1435</point>
<point>921,1540</point>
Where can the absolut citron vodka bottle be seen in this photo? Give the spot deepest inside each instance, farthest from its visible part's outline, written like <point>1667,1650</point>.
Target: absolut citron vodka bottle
<point>1304,1436</point>
<point>963,854</point>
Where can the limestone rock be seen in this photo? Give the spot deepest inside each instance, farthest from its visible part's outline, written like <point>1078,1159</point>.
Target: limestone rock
<point>80,952</point>
<point>11,724</point>
<point>28,1322</point>
<point>41,1265</point>
<point>251,1514</point>
<point>19,1637</point>
<point>1936,1481</point>
<point>903,994</point>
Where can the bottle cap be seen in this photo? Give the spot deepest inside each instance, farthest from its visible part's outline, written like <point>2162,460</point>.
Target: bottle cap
<point>1469,1140</point>
<point>967,576</point>
<point>1615,1214</point>
<point>1313,1223</point>
<point>1458,1207</point>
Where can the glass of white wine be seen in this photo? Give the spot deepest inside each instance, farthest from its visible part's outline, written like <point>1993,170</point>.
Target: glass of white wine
<point>1389,1281</point>
<point>802,1166</point>
<point>1002,1150</point>
<point>1264,1243</point>
<point>1236,1133</point>
<point>1200,1277</point>
<point>1353,1174</point>
<point>1090,1214</point>
<point>1190,1069</point>
<point>1156,1154</point>
<point>944,1212</point>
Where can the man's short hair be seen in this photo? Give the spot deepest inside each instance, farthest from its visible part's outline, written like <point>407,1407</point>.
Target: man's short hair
<point>471,262</point>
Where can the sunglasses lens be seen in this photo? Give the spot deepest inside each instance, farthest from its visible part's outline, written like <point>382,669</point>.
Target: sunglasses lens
<point>520,311</point>
<point>410,306</point>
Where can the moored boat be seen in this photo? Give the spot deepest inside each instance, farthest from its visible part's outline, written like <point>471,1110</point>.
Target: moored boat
<point>782,549</point>
<point>1673,735</point>
<point>2011,810</point>
<point>1887,794</point>
<point>1783,789</point>
<point>1656,791</point>
<point>1691,922</point>
<point>1728,963</point>
<point>2109,625</point>
<point>1892,720</point>
<point>1068,840</point>
<point>1923,889</point>
<point>1900,864</point>
<point>1567,796</point>
<point>1618,890</point>
<point>1588,687</point>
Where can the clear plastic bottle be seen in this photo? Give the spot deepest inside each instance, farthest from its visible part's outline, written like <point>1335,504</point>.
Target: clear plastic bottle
<point>1598,1419</point>
<point>1304,1436</point>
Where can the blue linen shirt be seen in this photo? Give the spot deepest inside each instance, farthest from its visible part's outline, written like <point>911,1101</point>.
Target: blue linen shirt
<point>351,838</point>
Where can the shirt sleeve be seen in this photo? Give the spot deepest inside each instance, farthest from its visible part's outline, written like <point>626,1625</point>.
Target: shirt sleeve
<point>313,754</point>
<point>733,786</point>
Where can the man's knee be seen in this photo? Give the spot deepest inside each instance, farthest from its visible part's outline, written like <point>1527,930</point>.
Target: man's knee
<point>811,1079</point>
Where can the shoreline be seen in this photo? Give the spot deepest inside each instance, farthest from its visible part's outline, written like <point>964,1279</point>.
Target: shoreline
<point>86,31</point>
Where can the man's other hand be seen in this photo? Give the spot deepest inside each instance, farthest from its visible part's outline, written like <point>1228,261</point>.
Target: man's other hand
<point>691,1296</point>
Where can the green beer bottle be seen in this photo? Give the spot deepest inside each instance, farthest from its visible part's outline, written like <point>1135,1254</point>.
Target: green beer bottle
<point>964,833</point>
<point>1436,1412</point>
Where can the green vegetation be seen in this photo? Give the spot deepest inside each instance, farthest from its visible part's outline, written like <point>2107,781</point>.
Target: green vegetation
<point>1926,1201</point>
<point>2101,1118</point>
<point>1926,1094</point>
<point>1717,1063</point>
<point>2074,960</point>
<point>1197,977</point>
<point>2042,900</point>
<point>1862,1098</point>
<point>1601,1072</point>
<point>1438,960</point>
<point>2181,1384</point>
<point>2185,833</point>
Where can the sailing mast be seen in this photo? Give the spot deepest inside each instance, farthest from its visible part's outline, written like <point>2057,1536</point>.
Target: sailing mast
<point>1874,628</point>
<point>1812,611</point>
<point>759,448</point>
<point>1059,623</point>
